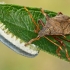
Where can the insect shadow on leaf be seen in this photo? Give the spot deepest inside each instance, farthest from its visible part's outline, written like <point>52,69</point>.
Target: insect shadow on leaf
<point>55,27</point>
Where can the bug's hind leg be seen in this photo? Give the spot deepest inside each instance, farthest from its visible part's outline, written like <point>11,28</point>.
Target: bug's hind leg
<point>37,25</point>
<point>62,44</point>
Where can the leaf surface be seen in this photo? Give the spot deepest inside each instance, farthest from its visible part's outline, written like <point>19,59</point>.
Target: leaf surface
<point>18,21</point>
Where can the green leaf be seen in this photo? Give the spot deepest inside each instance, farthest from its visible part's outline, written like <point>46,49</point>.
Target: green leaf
<point>18,21</point>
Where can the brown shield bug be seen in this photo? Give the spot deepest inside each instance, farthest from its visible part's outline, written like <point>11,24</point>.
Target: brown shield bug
<point>55,27</point>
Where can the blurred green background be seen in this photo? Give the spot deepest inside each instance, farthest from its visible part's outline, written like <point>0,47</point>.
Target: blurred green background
<point>9,60</point>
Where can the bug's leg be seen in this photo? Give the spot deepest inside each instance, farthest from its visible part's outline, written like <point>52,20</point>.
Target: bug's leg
<point>32,40</point>
<point>66,51</point>
<point>41,22</point>
<point>45,14</point>
<point>59,47</point>
<point>59,13</point>
<point>64,38</point>
<point>58,50</point>
<point>54,43</point>
<point>67,55</point>
<point>37,25</point>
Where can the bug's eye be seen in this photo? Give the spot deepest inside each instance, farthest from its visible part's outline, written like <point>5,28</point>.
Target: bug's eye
<point>15,44</point>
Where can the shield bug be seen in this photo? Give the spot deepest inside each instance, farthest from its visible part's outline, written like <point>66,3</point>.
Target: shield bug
<point>55,27</point>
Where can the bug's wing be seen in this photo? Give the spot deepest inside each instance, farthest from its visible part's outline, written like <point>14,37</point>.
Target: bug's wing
<point>11,42</point>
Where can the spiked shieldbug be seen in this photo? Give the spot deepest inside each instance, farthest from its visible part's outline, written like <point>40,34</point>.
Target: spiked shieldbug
<point>55,27</point>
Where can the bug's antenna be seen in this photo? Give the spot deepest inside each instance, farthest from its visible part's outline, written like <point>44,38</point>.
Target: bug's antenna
<point>45,14</point>
<point>32,40</point>
<point>37,26</point>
